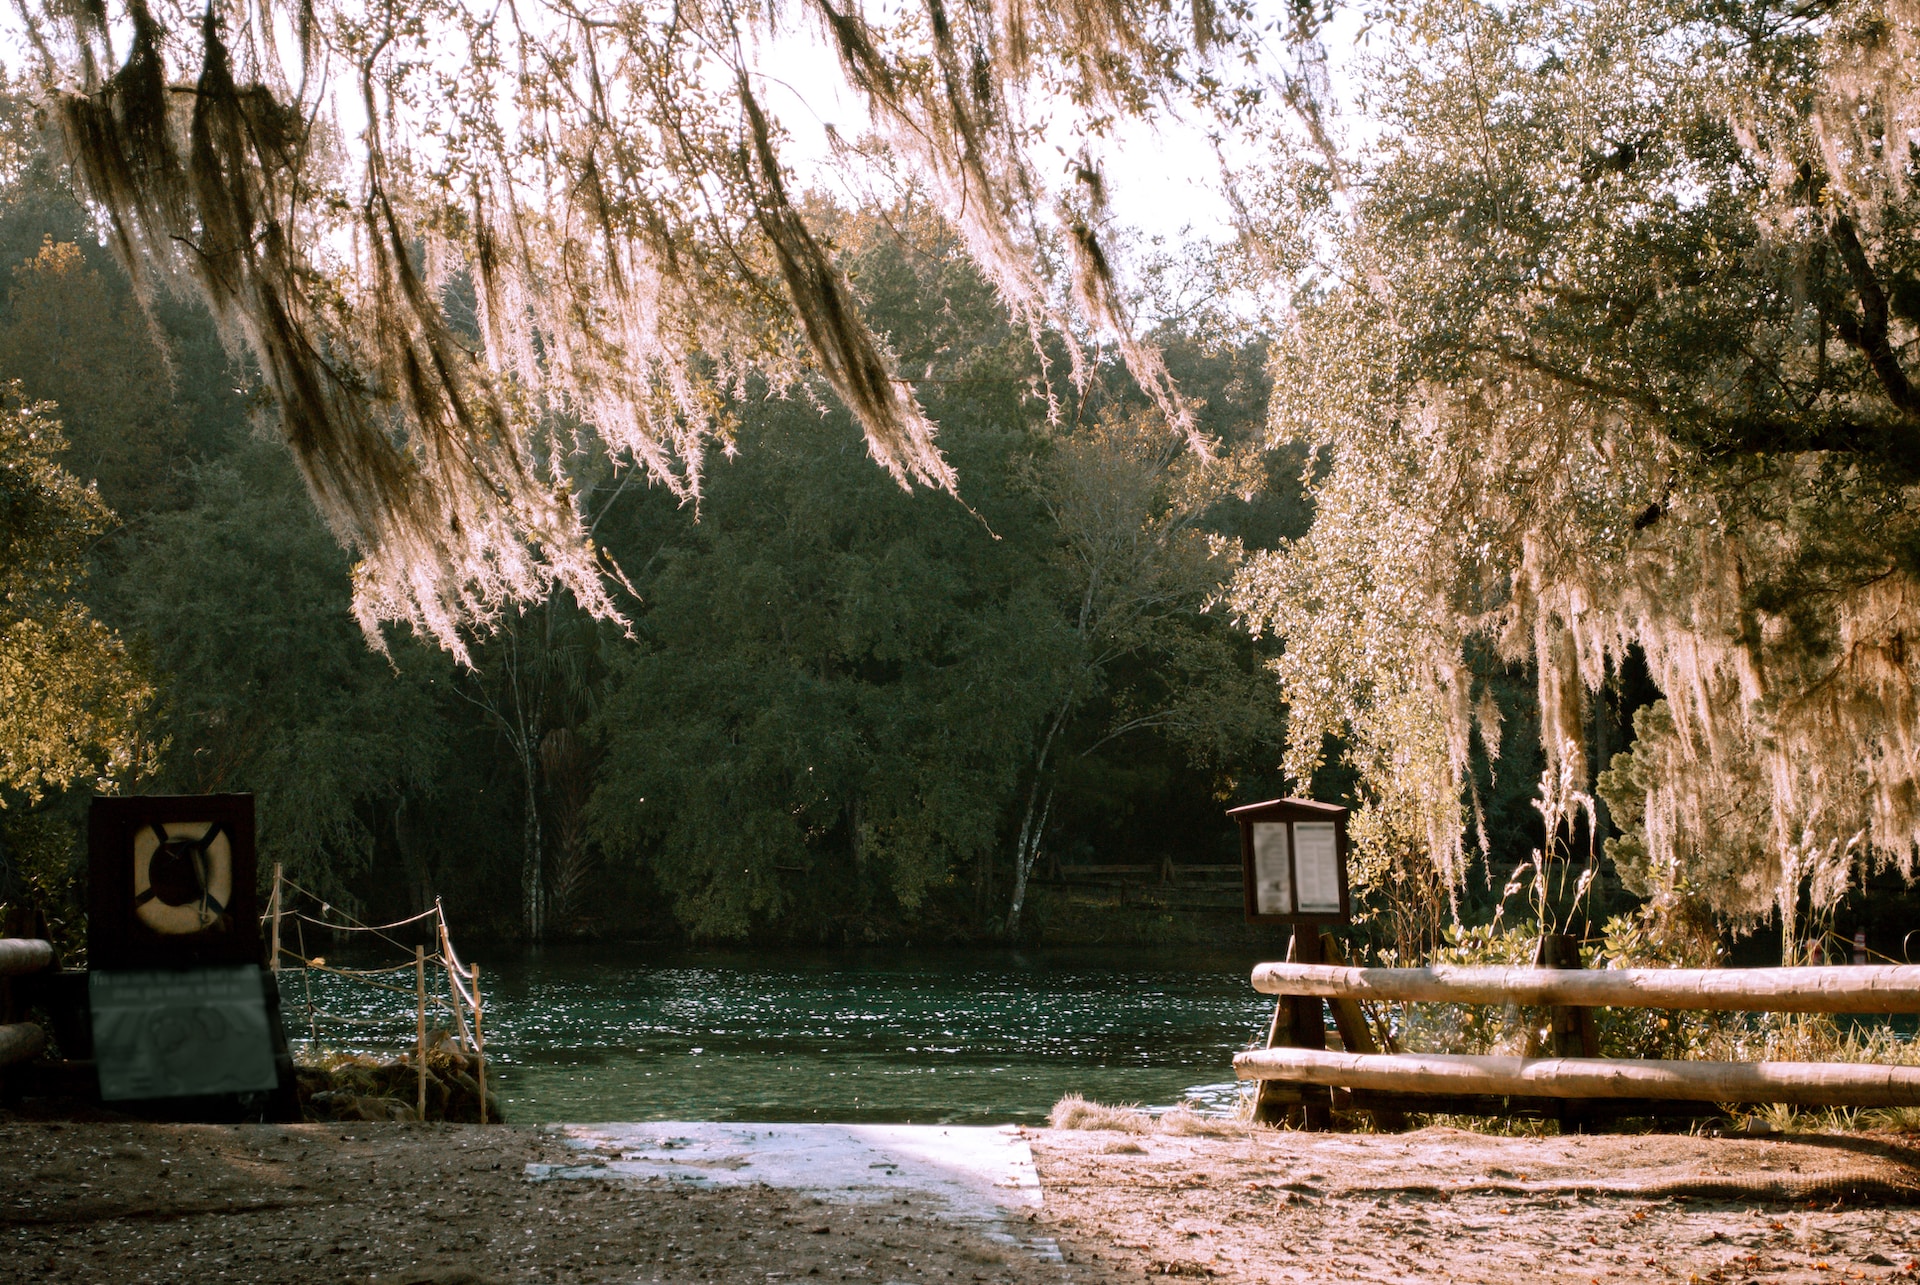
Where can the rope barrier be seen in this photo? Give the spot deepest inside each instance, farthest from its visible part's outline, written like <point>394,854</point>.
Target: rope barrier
<point>355,926</point>
<point>358,928</point>
<point>384,986</point>
<point>319,962</point>
<point>462,996</point>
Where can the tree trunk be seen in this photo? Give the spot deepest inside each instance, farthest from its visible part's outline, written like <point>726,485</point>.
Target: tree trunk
<point>419,878</point>
<point>1024,854</point>
<point>533,892</point>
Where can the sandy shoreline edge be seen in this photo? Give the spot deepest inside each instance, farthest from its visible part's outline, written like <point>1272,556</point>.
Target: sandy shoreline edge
<point>125,1202</point>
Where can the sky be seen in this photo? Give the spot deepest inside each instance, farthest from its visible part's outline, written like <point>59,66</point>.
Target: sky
<point>1163,176</point>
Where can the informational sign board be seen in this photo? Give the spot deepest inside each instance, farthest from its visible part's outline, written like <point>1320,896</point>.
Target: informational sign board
<point>166,1033</point>
<point>1272,868</point>
<point>1295,857</point>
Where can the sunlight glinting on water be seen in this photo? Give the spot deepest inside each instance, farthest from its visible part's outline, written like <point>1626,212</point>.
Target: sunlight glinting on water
<point>594,1034</point>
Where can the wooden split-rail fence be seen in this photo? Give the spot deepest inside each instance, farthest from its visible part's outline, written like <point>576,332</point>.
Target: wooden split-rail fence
<point>1166,884</point>
<point>21,957</point>
<point>1300,1077</point>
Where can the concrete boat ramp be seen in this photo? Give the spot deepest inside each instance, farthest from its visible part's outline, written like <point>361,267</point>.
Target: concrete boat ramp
<point>980,1177</point>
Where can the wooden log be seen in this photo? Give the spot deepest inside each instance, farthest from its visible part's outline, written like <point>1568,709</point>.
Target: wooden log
<point>1526,1108</point>
<point>21,1041</point>
<point>24,955</point>
<point>1885,988</point>
<point>44,1078</point>
<point>1796,1083</point>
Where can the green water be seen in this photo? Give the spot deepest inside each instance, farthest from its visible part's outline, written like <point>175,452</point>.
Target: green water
<point>603,1033</point>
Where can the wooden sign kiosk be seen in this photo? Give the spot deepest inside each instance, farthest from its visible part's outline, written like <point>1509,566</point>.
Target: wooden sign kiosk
<point>184,1021</point>
<point>1293,855</point>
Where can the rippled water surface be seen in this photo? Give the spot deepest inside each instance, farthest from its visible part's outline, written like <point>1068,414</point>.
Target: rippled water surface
<point>605,1033</point>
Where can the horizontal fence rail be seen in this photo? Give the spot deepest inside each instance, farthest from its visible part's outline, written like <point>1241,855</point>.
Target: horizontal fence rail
<point>1795,1083</point>
<point>24,955</point>
<point>21,1042</point>
<point>1892,988</point>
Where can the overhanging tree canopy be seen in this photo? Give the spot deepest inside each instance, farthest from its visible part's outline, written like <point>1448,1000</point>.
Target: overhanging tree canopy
<point>1612,349</point>
<point>609,179</point>
<point>1615,353</point>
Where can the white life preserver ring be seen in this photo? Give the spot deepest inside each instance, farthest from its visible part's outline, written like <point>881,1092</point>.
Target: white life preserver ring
<point>195,898</point>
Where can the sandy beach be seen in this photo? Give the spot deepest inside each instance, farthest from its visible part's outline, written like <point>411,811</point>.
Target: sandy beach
<point>127,1202</point>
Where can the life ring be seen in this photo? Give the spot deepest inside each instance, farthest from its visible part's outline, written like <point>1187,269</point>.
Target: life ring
<point>182,876</point>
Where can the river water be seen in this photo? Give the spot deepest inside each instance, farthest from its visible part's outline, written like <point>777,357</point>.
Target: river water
<point>608,1033</point>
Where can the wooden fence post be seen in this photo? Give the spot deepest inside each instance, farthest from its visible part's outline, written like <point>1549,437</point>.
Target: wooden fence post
<point>306,982</point>
<point>273,960</point>
<point>1571,1031</point>
<point>420,1030</point>
<point>1354,1035</point>
<point>479,1044</point>
<point>1308,1030</point>
<point>1298,1022</point>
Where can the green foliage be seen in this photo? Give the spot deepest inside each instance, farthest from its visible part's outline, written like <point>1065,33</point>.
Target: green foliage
<point>269,685</point>
<point>1597,350</point>
<point>854,687</point>
<point>72,697</point>
<point>68,336</point>
<point>1639,940</point>
<point>40,874</point>
<point>851,709</point>
<point>825,720</point>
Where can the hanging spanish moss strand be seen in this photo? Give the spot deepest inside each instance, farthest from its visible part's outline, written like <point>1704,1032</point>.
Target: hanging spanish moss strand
<point>897,432</point>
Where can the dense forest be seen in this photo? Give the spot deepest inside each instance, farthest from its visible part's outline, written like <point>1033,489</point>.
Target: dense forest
<point>1535,473</point>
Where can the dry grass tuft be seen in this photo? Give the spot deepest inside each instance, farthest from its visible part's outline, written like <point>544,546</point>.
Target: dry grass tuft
<point>1075,1112</point>
<point>357,1086</point>
<point>1893,1119</point>
<point>1184,1121</point>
